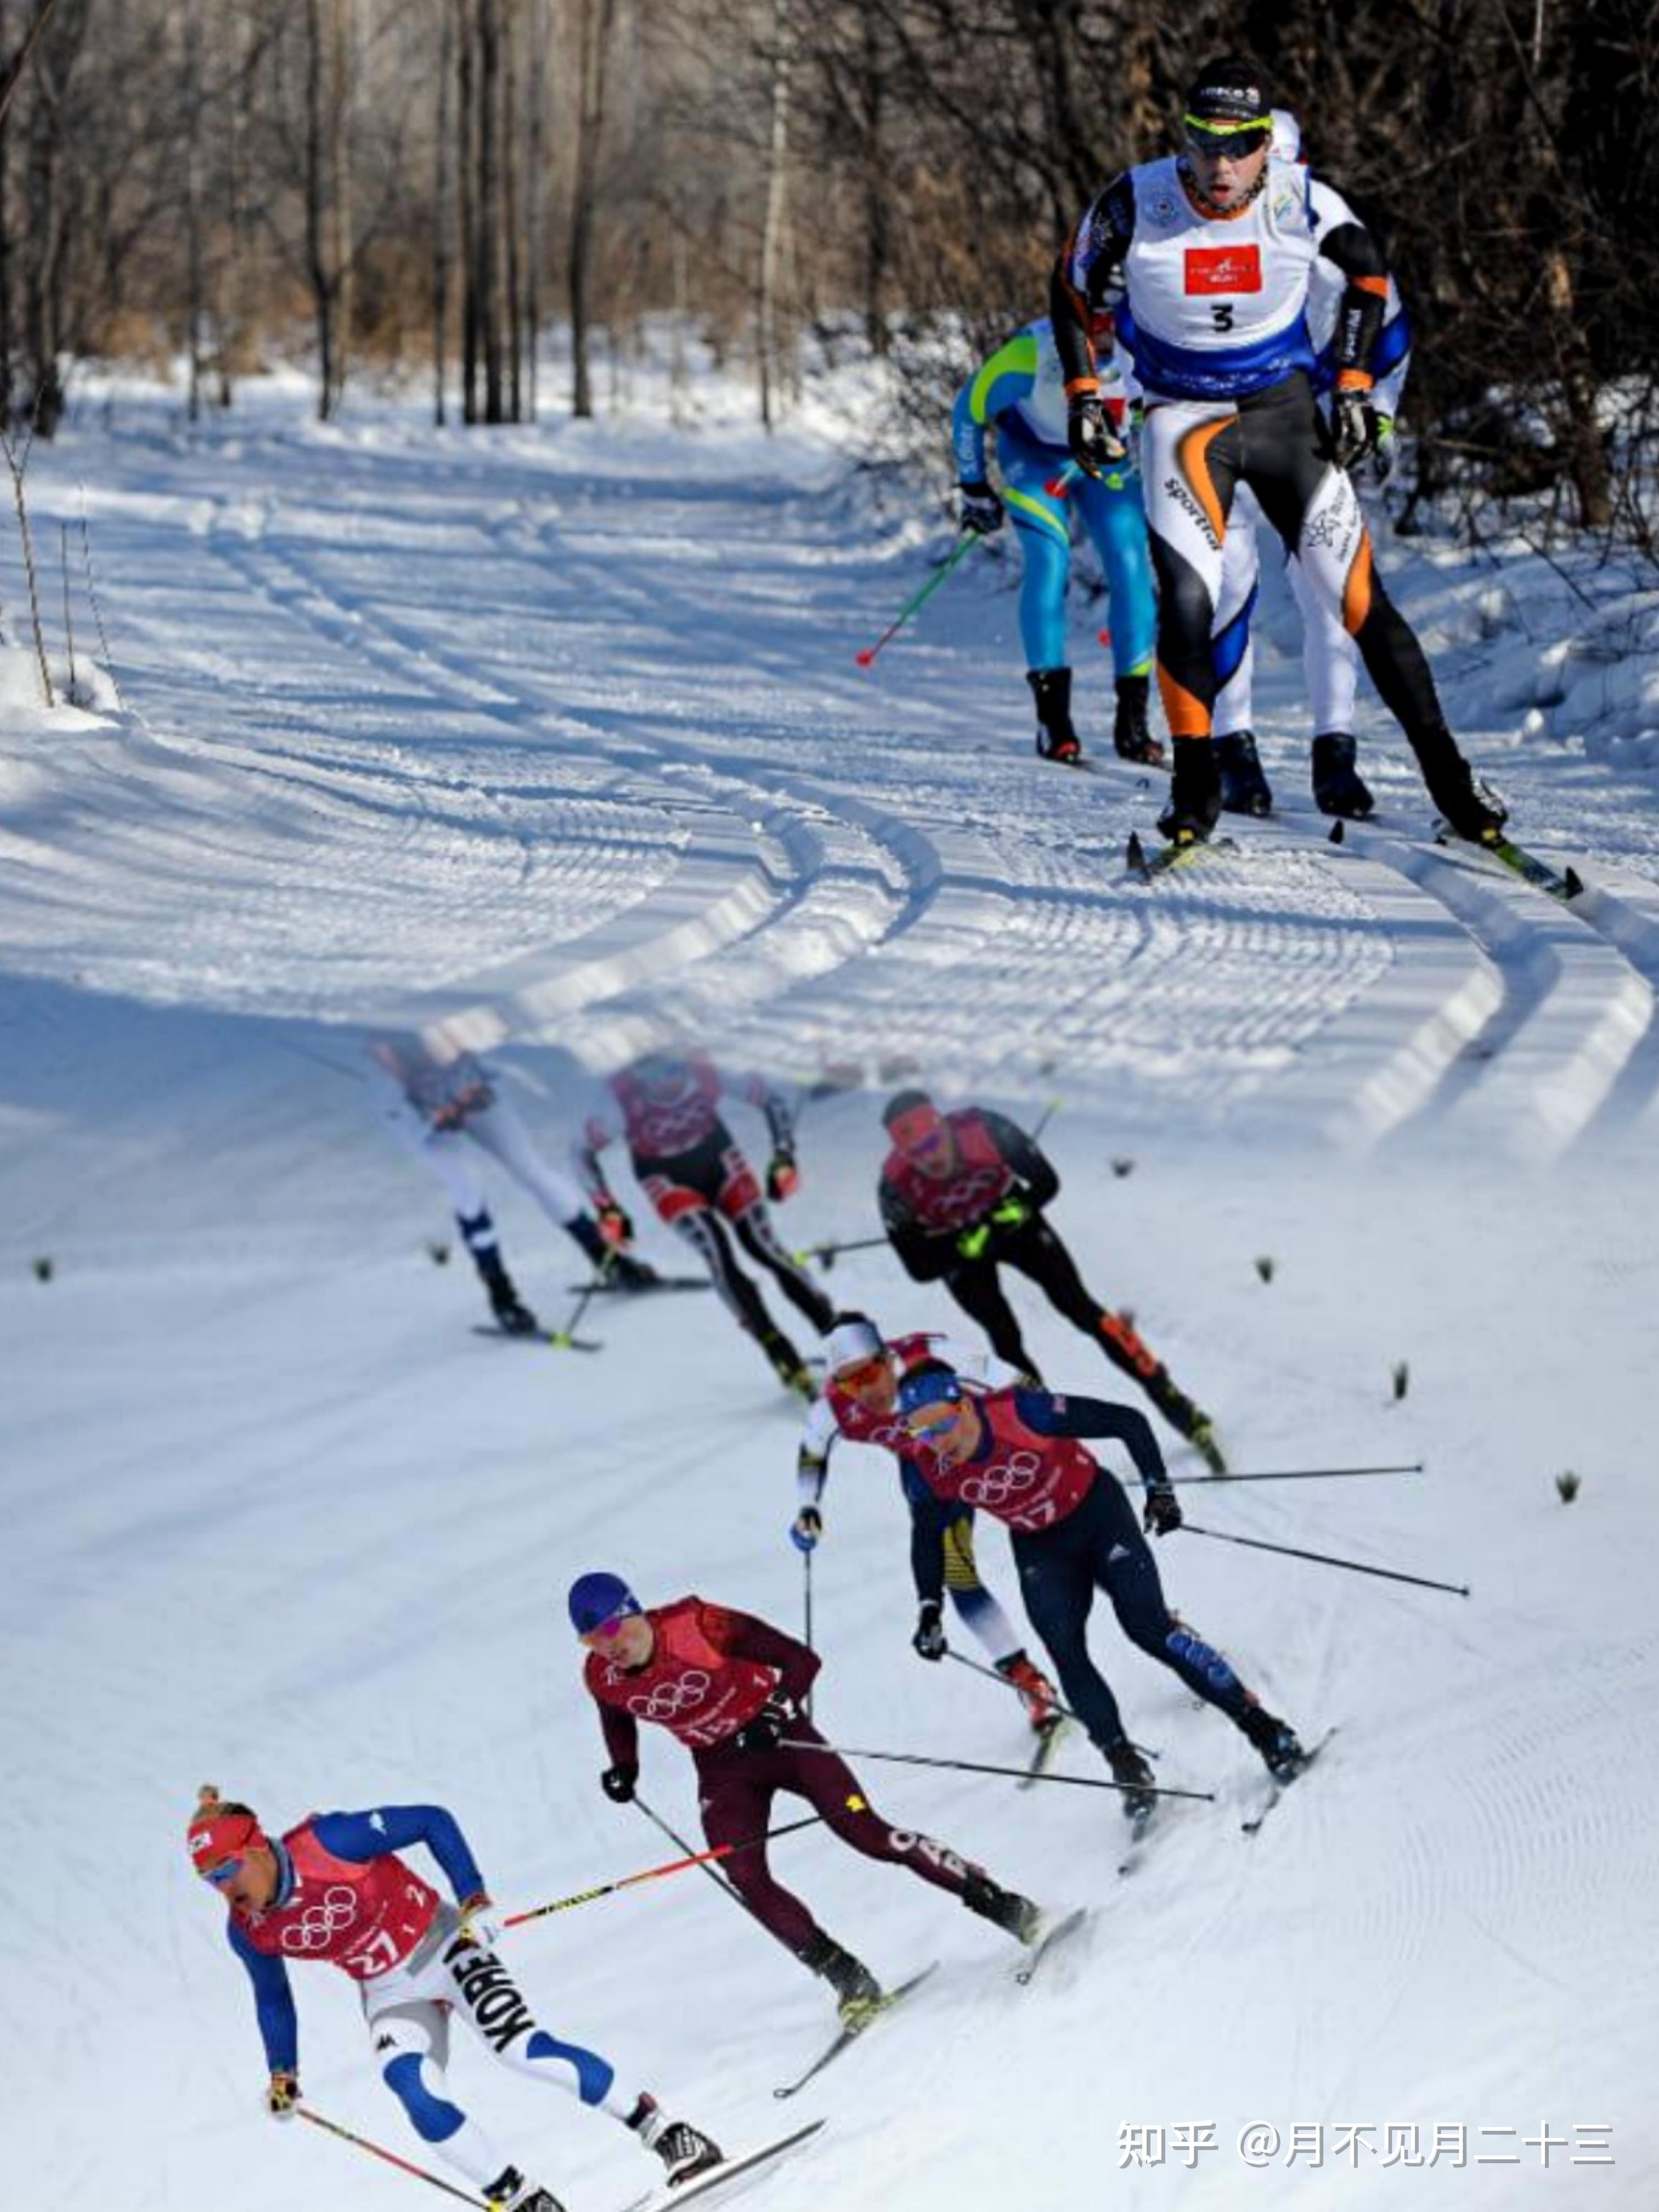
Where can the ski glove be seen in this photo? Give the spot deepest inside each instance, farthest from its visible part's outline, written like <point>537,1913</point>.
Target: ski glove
<point>1353,429</point>
<point>615,1226</point>
<point>807,1528</point>
<point>765,1731</point>
<point>928,1642</point>
<point>617,1783</point>
<point>480,1923</point>
<point>283,2095</point>
<point>1162,1512</point>
<point>1013,1212</point>
<point>979,509</point>
<point>972,1243</point>
<point>1096,445</point>
<point>1384,454</point>
<point>782,1176</point>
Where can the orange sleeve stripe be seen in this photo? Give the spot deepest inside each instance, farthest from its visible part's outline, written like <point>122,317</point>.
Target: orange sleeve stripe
<point>1082,384</point>
<point>1186,715</point>
<point>1357,588</point>
<point>1376,285</point>
<point>1354,380</point>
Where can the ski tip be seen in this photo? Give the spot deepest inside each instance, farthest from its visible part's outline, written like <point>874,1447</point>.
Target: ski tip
<point>1572,883</point>
<point>1338,834</point>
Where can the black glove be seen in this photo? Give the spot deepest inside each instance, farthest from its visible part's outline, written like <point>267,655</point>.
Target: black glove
<point>764,1732</point>
<point>928,1642</point>
<point>617,1783</point>
<point>1162,1511</point>
<point>782,1176</point>
<point>1353,429</point>
<point>1095,446</point>
<point>283,2094</point>
<point>807,1528</point>
<point>979,509</point>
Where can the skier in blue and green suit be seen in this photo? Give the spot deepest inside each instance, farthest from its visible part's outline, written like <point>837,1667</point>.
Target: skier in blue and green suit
<point>1020,391</point>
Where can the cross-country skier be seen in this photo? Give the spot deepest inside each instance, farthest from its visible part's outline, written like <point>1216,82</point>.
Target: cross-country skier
<point>1016,1454</point>
<point>962,1194</point>
<point>333,1890</point>
<point>731,1688</point>
<point>1019,392</point>
<point>434,1108</point>
<point>666,1106</point>
<point>1330,656</point>
<point>859,1402</point>
<point>1206,260</point>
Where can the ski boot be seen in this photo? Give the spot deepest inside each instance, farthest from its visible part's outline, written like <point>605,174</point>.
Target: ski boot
<point>1056,739</point>
<point>1202,1438</point>
<point>787,1365</point>
<point>1132,738</point>
<point>1003,1908</point>
<point>857,1993</point>
<point>1036,1691</point>
<point>1244,787</point>
<point>684,2149</point>
<point>1185,1419</point>
<point>627,1273</point>
<point>1472,808</point>
<point>512,1315</point>
<point>511,2192</point>
<point>1131,1769</point>
<point>1194,793</point>
<point>1277,1740</point>
<point>1338,788</point>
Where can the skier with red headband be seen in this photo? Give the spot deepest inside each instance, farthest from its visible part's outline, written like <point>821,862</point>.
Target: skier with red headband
<point>334,1890</point>
<point>962,1194</point>
<point>859,1402</point>
<point>732,1689</point>
<point>1018,1454</point>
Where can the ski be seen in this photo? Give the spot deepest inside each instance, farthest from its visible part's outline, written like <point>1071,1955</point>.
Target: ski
<point>1047,1742</point>
<point>641,1289</point>
<point>850,2035</point>
<point>1253,1826</point>
<point>1140,1830</point>
<point>1163,859</point>
<point>1564,884</point>
<point>715,2177</point>
<point>1067,1924</point>
<point>557,1338</point>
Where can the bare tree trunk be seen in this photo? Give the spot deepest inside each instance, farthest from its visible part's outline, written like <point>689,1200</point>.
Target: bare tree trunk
<point>8,334</point>
<point>511,120</point>
<point>597,19</point>
<point>489,205</point>
<point>466,96</point>
<point>322,292</point>
<point>195,288</point>
<point>339,174</point>
<point>442,215</point>
<point>878,235</point>
<point>535,185</point>
<point>776,201</point>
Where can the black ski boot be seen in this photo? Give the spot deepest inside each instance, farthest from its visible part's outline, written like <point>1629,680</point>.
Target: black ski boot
<point>511,2192</point>
<point>1277,1740</point>
<point>1003,1908</point>
<point>1338,788</point>
<point>684,2149</point>
<point>1194,793</point>
<point>1186,1418</point>
<point>627,1273</point>
<point>1131,736</point>
<point>787,1365</point>
<point>1130,1768</point>
<point>857,1993</point>
<point>1056,739</point>
<point>1472,808</point>
<point>1244,787</point>
<point>512,1315</point>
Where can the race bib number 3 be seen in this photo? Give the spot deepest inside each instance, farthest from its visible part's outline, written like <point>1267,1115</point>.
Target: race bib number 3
<point>1224,268</point>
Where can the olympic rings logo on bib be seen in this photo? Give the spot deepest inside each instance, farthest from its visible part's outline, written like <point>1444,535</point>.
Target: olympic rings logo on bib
<point>1003,1478</point>
<point>319,1923</point>
<point>669,1699</point>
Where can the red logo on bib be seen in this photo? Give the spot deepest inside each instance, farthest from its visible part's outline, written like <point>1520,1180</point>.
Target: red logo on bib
<point>1224,268</point>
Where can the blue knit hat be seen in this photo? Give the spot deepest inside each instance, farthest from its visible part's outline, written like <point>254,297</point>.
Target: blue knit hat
<point>932,1384</point>
<point>598,1598</point>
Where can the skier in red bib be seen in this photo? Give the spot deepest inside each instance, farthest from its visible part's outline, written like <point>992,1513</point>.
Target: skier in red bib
<point>333,1890</point>
<point>731,1688</point>
<point>1018,1454</point>
<point>962,1194</point>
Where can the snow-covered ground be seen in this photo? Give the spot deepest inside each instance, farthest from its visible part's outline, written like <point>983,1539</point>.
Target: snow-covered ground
<point>555,738</point>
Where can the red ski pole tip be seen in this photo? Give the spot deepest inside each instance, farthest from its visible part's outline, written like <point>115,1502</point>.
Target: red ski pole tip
<point>865,658</point>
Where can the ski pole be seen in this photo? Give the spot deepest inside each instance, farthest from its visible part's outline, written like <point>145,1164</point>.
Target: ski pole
<point>390,2157</point>
<point>565,1339</point>
<point>694,1858</point>
<point>1013,1773</point>
<point>1299,1475</point>
<point>806,1583</point>
<point>1326,1559</point>
<point>970,539</point>
<point>991,1675</point>
<point>826,1254</point>
<point>656,1873</point>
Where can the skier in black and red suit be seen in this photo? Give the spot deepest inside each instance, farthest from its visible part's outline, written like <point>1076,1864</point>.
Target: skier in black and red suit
<point>962,1194</point>
<point>732,1689</point>
<point>666,1108</point>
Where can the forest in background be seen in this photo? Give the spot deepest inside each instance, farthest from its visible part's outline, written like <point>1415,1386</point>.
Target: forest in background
<point>424,185</point>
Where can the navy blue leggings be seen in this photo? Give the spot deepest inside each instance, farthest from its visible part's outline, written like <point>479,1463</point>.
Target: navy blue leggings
<point>1099,1548</point>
